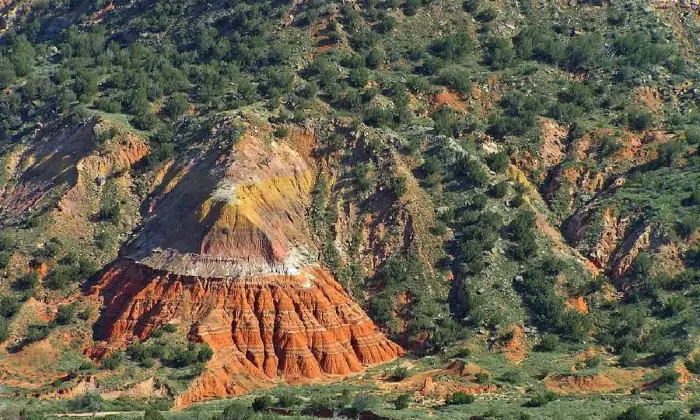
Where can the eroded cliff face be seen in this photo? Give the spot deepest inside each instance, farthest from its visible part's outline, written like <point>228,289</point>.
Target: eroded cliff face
<point>226,251</point>
<point>291,327</point>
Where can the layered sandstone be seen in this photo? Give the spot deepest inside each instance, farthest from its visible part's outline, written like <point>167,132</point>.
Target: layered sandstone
<point>226,252</point>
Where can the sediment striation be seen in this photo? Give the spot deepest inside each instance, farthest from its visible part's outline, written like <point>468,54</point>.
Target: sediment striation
<point>227,253</point>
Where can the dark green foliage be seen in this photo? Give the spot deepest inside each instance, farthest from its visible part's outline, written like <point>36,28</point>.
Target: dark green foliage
<point>411,7</point>
<point>499,190</point>
<point>66,314</point>
<point>460,398</point>
<point>638,49</point>
<point>152,414</point>
<point>374,58</point>
<point>401,402</point>
<point>610,145</point>
<point>399,374</point>
<point>9,305</point>
<point>547,309</point>
<point>205,353</point>
<point>398,185</point>
<point>499,53</point>
<point>288,400</point>
<point>640,119</point>
<point>177,105</point>
<point>91,402</point>
<point>4,329</point>
<point>513,376</point>
<point>636,412</point>
<point>113,361</point>
<point>110,211</point>
<point>692,135</point>
<point>498,162</point>
<point>549,343</point>
<point>641,266</point>
<point>452,47</point>
<point>671,414</point>
<point>365,402</point>
<point>470,172</point>
<point>470,6</point>
<point>542,399</point>
<point>28,282</point>
<point>668,376</point>
<point>450,123</point>
<point>63,275</point>
<point>358,77</point>
<point>486,15</point>
<point>262,403</point>
<point>693,363</point>
<point>539,43</point>
<point>237,411</point>
<point>456,79</point>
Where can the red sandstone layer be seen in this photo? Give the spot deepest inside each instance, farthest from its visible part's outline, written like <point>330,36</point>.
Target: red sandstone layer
<point>261,329</point>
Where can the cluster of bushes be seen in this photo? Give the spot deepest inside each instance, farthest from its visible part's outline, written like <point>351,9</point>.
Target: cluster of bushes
<point>178,357</point>
<point>65,315</point>
<point>69,271</point>
<point>521,230</point>
<point>588,51</point>
<point>547,310</point>
<point>405,273</point>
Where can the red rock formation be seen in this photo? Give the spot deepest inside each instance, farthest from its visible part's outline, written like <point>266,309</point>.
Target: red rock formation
<point>294,326</point>
<point>229,254</point>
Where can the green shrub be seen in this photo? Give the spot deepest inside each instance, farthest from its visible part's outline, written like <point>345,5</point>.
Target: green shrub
<point>91,402</point>
<point>237,411</point>
<point>482,377</point>
<point>693,363</point>
<point>110,211</point>
<point>452,47</point>
<point>4,329</point>
<point>636,412</point>
<point>639,119</point>
<point>499,53</point>
<point>262,403</point>
<point>542,399</point>
<point>169,328</point>
<point>152,414</point>
<point>513,376</point>
<point>470,6</point>
<point>27,282</point>
<point>402,401</point>
<point>205,353</point>
<point>399,374</point>
<point>456,79</point>
<point>365,402</point>
<point>498,162</point>
<point>398,185</point>
<point>692,135</point>
<point>500,189</point>
<point>288,400</point>
<point>9,305</point>
<point>668,376</point>
<point>358,77</point>
<point>177,105</point>
<point>549,343</point>
<point>281,132</point>
<point>470,171</point>
<point>65,314</point>
<point>113,361</point>
<point>460,398</point>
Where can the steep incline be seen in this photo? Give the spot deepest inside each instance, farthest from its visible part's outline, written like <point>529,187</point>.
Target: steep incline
<point>227,251</point>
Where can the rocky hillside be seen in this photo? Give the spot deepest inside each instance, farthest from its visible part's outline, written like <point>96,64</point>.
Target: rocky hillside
<point>383,208</point>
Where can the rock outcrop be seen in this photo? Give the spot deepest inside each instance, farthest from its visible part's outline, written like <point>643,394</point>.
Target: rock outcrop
<point>226,251</point>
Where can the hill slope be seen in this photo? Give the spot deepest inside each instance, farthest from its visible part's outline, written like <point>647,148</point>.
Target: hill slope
<point>203,199</point>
